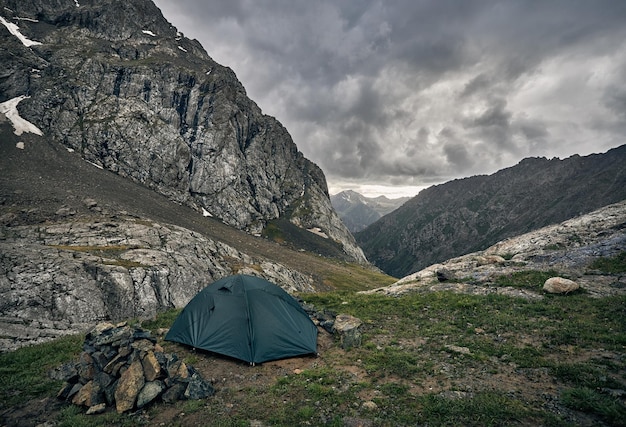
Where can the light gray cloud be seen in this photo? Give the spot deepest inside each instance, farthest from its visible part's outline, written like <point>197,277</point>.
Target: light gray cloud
<point>411,93</point>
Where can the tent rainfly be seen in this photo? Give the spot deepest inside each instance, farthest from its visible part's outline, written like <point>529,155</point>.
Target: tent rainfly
<point>247,318</point>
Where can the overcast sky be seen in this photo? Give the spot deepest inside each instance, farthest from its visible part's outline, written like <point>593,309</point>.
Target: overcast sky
<point>389,97</point>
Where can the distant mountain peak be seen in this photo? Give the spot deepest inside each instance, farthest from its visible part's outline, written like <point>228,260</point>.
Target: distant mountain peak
<point>358,211</point>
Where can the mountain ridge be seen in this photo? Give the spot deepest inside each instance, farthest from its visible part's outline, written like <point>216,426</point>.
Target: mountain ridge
<point>470,214</point>
<point>569,248</point>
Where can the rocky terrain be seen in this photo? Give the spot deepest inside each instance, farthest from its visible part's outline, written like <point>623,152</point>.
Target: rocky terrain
<point>118,84</point>
<point>80,245</point>
<point>568,248</point>
<point>471,214</point>
<point>358,211</point>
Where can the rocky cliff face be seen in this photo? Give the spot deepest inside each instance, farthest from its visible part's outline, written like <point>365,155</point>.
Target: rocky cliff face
<point>63,277</point>
<point>114,81</point>
<point>470,214</point>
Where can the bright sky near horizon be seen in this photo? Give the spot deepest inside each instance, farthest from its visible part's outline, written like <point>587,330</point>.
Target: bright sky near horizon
<point>390,97</point>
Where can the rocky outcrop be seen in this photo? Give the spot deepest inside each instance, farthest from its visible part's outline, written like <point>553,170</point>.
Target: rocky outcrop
<point>471,214</point>
<point>568,248</point>
<point>114,81</point>
<point>62,277</point>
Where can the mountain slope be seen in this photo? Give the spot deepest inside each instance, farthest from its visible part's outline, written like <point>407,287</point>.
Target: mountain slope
<point>470,214</point>
<point>569,248</point>
<point>114,81</point>
<point>357,211</point>
<point>80,244</point>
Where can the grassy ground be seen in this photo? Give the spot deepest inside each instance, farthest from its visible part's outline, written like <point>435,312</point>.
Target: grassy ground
<point>426,359</point>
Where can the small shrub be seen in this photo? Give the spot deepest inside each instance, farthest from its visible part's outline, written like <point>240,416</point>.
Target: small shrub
<point>613,265</point>
<point>587,400</point>
<point>584,375</point>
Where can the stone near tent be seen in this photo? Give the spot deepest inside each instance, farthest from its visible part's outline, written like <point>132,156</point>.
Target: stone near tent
<point>142,345</point>
<point>85,367</point>
<point>348,328</point>
<point>198,388</point>
<point>96,409</point>
<point>65,372</point>
<point>115,365</point>
<point>177,369</point>
<point>131,383</point>
<point>151,367</point>
<point>174,393</point>
<point>559,285</point>
<point>83,397</point>
<point>149,392</point>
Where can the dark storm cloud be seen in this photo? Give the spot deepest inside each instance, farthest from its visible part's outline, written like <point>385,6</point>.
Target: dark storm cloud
<point>615,99</point>
<point>413,92</point>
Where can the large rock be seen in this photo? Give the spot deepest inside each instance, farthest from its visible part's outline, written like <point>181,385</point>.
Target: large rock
<point>348,328</point>
<point>151,367</point>
<point>131,383</point>
<point>149,392</point>
<point>198,388</point>
<point>559,285</point>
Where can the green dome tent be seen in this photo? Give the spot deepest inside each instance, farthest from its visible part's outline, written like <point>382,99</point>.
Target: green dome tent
<point>247,318</point>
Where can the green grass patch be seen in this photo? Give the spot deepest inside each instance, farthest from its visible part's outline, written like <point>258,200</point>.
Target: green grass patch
<point>274,233</point>
<point>479,409</point>
<point>584,399</point>
<point>392,361</point>
<point>164,319</point>
<point>305,395</point>
<point>23,373</point>
<point>484,409</point>
<point>355,277</point>
<point>74,416</point>
<point>613,265</point>
<point>587,375</point>
<point>531,279</point>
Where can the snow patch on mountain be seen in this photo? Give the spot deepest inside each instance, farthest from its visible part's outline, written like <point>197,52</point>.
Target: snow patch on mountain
<point>20,125</point>
<point>15,30</point>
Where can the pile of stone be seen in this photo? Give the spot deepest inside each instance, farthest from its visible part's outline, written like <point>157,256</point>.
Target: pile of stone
<point>124,367</point>
<point>346,327</point>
